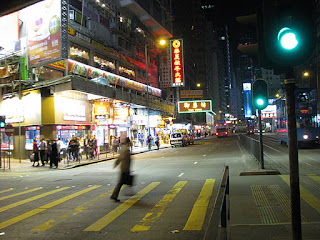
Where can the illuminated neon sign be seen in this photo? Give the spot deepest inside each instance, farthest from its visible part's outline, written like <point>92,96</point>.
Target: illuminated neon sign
<point>195,106</point>
<point>177,69</point>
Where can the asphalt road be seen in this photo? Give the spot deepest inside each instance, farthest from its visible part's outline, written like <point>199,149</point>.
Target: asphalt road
<point>172,198</point>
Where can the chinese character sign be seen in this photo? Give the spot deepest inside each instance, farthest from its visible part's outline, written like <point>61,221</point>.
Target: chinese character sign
<point>176,53</point>
<point>195,106</point>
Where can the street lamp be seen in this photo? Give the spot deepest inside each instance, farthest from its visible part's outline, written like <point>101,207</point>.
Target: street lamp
<point>198,84</point>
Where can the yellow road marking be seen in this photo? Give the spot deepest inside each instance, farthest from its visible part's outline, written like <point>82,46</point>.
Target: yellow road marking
<point>79,209</point>
<point>20,193</point>
<point>159,208</point>
<point>199,210</point>
<point>312,200</point>
<point>8,190</point>
<point>31,199</point>
<point>45,207</point>
<point>314,177</point>
<point>107,219</point>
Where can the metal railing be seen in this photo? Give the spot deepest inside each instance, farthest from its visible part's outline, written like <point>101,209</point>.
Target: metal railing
<point>251,145</point>
<point>221,211</point>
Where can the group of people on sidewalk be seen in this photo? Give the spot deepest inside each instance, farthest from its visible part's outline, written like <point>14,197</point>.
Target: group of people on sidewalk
<point>49,152</point>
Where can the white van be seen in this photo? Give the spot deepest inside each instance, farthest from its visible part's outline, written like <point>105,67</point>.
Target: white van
<point>177,139</point>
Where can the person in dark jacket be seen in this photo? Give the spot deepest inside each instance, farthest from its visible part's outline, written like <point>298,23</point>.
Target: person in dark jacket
<point>54,157</point>
<point>124,160</point>
<point>35,150</point>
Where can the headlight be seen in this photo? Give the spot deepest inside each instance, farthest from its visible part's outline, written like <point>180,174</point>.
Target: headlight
<point>305,137</point>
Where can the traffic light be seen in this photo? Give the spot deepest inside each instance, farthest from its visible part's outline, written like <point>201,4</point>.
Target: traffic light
<point>260,94</point>
<point>2,121</point>
<point>285,33</point>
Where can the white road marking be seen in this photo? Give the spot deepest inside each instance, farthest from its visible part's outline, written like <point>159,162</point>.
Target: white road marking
<point>195,162</point>
<point>180,174</point>
<point>204,155</point>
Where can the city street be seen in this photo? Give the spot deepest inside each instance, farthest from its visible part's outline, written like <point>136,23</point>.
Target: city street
<point>172,198</point>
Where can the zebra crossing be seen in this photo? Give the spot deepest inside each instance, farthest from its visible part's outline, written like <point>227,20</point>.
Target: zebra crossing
<point>271,202</point>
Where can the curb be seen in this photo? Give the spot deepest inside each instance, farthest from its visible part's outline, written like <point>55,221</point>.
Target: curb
<point>261,172</point>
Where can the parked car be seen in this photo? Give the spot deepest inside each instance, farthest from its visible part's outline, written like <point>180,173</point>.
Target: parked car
<point>178,139</point>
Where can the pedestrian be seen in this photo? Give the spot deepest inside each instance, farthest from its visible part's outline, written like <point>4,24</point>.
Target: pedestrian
<point>59,146</point>
<point>157,141</point>
<point>115,144</point>
<point>86,145</point>
<point>91,146</point>
<point>35,151</point>
<point>149,140</point>
<point>54,154</point>
<point>124,160</point>
<point>43,148</point>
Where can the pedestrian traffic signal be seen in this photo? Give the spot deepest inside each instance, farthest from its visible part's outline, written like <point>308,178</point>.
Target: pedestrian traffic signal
<point>260,94</point>
<point>2,121</point>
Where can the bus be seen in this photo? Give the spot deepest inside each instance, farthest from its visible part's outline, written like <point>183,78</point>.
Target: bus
<point>306,117</point>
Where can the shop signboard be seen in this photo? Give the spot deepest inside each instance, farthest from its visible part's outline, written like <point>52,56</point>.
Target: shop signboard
<point>101,112</point>
<point>43,22</point>
<point>195,106</point>
<point>191,93</point>
<point>177,62</point>
<point>269,112</point>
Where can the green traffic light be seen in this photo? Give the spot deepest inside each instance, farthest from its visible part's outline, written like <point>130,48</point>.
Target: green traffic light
<point>260,102</point>
<point>2,124</point>
<point>287,39</point>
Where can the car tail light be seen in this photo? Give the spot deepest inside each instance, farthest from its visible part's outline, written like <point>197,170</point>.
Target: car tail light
<point>226,133</point>
<point>217,134</point>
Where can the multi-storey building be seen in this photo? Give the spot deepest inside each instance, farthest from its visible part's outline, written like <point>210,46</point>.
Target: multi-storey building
<point>79,68</point>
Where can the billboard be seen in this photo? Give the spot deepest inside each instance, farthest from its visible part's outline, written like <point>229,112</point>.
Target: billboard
<point>177,64</point>
<point>195,106</point>
<point>43,23</point>
<point>247,100</point>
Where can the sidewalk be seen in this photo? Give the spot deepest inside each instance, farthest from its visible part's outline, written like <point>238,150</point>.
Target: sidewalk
<point>26,165</point>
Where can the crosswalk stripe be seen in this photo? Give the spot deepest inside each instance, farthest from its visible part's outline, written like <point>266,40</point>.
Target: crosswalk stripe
<point>79,209</point>
<point>314,177</point>
<point>7,190</point>
<point>199,210</point>
<point>107,219</point>
<point>312,200</point>
<point>20,193</point>
<point>159,208</point>
<point>2,209</point>
<point>45,207</point>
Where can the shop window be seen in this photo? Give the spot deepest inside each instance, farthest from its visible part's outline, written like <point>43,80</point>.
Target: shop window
<point>104,64</point>
<point>79,53</point>
<point>125,72</point>
<point>31,134</point>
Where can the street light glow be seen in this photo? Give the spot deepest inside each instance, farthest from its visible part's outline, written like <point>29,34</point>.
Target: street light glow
<point>198,84</point>
<point>162,42</point>
<point>306,74</point>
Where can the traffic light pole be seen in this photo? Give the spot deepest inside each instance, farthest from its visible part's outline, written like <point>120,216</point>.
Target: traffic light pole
<point>261,141</point>
<point>293,159</point>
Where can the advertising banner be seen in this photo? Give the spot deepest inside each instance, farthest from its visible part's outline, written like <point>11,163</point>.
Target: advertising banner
<point>177,64</point>
<point>43,21</point>
<point>92,72</point>
<point>195,106</point>
<point>247,100</point>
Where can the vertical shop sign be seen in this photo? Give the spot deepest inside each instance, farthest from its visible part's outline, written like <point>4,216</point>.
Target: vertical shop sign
<point>177,64</point>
